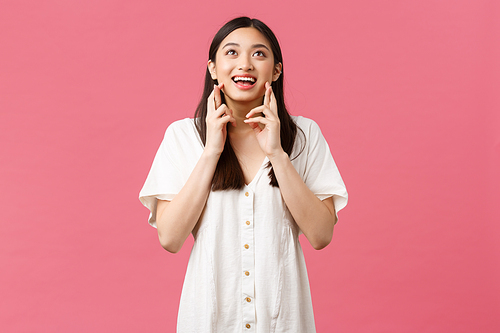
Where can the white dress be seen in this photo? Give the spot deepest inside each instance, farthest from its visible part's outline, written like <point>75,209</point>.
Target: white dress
<point>246,272</point>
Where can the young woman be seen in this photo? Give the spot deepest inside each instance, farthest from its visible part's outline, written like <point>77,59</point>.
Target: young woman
<point>245,178</point>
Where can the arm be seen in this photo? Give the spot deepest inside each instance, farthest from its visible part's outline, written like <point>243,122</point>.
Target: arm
<point>176,219</point>
<point>314,217</point>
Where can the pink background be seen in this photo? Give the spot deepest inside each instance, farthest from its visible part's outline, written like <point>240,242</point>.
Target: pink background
<point>406,92</point>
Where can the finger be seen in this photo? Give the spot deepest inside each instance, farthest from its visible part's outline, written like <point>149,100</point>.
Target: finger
<point>256,128</point>
<point>267,96</point>
<point>232,119</point>
<point>210,102</point>
<point>222,111</point>
<point>258,109</point>
<point>225,115</point>
<point>257,120</point>
<point>273,105</point>
<point>225,119</point>
<point>218,100</point>
<point>262,111</point>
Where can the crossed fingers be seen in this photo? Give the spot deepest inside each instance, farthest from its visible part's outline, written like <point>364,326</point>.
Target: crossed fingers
<point>268,111</point>
<point>215,108</point>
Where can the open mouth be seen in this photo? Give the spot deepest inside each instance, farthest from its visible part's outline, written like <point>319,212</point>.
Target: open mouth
<point>246,81</point>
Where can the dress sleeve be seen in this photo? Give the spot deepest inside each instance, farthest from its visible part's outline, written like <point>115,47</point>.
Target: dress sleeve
<point>321,174</point>
<point>168,173</point>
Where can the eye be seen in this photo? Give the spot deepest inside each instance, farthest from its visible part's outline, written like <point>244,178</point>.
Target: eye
<point>259,54</point>
<point>231,52</point>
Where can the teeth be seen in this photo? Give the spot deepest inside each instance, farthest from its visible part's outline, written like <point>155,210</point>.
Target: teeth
<point>244,78</point>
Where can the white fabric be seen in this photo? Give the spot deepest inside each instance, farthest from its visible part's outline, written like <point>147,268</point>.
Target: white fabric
<point>218,295</point>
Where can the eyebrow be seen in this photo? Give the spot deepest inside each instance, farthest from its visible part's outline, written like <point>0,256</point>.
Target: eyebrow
<point>254,46</point>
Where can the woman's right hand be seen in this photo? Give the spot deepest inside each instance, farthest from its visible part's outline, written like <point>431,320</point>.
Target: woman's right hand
<point>218,115</point>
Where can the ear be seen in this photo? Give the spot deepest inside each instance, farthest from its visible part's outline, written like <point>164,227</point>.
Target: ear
<point>211,69</point>
<point>277,71</point>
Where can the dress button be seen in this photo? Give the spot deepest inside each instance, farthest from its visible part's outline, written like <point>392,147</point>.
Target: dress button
<point>246,246</point>
<point>247,273</point>
<point>248,222</point>
<point>248,299</point>
<point>247,326</point>
<point>247,194</point>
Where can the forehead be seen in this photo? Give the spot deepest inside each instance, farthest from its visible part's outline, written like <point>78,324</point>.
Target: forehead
<point>245,37</point>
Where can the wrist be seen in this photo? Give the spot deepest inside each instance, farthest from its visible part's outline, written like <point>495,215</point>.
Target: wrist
<point>210,154</point>
<point>278,157</point>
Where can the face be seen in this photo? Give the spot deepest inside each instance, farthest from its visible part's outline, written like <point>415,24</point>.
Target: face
<point>244,63</point>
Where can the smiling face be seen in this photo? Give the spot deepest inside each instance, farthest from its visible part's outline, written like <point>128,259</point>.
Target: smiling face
<point>244,62</point>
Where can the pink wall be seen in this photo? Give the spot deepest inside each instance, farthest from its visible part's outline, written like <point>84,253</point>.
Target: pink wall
<point>406,92</point>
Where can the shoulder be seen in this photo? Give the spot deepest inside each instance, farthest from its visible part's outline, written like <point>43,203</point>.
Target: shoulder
<point>184,128</point>
<point>182,133</point>
<point>308,126</point>
<point>305,124</point>
<point>307,138</point>
<point>185,125</point>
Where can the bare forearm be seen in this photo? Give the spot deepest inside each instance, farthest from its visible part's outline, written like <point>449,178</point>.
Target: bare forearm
<point>176,219</point>
<point>314,217</point>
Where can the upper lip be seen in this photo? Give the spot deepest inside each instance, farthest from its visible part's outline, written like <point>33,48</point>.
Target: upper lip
<point>244,75</point>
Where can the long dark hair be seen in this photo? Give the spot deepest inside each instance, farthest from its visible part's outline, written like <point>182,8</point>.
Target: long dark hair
<point>228,173</point>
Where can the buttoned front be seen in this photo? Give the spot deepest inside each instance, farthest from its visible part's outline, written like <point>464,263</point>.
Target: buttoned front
<point>246,271</point>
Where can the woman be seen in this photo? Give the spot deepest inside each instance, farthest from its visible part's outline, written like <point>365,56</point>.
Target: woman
<point>245,178</point>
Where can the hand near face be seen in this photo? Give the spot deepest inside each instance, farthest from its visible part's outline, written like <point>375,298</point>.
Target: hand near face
<point>218,115</point>
<point>267,125</point>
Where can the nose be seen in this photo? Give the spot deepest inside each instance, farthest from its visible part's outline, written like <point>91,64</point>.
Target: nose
<point>245,64</point>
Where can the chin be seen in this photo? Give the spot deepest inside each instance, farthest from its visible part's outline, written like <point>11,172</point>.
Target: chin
<point>245,99</point>
<point>243,96</point>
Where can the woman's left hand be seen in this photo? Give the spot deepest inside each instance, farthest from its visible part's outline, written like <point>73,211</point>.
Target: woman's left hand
<point>267,125</point>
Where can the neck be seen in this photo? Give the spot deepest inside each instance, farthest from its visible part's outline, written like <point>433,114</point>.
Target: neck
<point>240,111</point>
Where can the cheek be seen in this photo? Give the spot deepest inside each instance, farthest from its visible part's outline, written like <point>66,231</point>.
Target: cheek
<point>268,70</point>
<point>223,69</point>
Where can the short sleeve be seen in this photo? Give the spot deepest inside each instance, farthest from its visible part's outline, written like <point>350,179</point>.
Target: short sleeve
<point>171,166</point>
<point>321,174</point>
